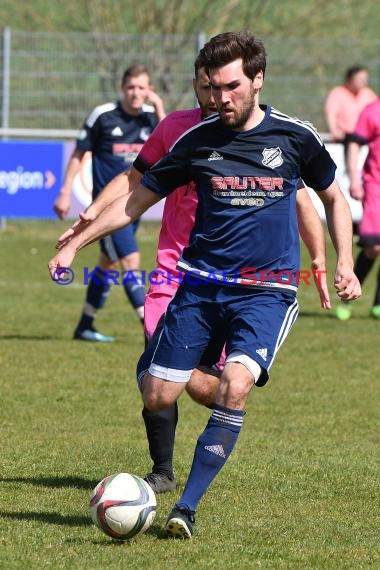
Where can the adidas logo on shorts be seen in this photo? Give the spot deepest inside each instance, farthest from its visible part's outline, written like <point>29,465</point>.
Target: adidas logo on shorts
<point>263,352</point>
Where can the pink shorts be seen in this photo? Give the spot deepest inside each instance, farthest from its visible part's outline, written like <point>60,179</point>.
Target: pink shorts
<point>156,301</point>
<point>369,229</point>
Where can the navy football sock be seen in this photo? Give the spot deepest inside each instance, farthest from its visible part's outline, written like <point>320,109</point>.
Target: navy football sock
<point>213,448</point>
<point>86,322</point>
<point>135,290</point>
<point>160,430</point>
<point>97,294</point>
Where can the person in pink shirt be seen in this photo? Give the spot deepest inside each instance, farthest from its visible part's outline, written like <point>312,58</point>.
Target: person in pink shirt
<point>179,209</point>
<point>344,103</point>
<point>177,222</point>
<point>365,186</point>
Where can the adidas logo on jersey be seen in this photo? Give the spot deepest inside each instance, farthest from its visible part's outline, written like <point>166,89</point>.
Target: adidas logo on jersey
<point>215,156</point>
<point>117,132</point>
<point>263,352</point>
<point>217,449</point>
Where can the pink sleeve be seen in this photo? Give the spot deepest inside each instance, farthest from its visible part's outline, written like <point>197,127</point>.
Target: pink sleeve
<point>365,126</point>
<point>153,149</point>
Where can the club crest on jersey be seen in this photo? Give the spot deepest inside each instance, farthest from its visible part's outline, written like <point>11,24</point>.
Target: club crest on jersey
<point>145,133</point>
<point>82,135</point>
<point>272,157</point>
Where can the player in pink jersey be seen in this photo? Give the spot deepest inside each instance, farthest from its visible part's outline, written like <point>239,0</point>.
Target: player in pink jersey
<point>365,186</point>
<point>177,222</point>
<point>179,210</point>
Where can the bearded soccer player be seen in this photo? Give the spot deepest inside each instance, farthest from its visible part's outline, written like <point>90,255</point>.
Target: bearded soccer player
<point>177,222</point>
<point>251,247</point>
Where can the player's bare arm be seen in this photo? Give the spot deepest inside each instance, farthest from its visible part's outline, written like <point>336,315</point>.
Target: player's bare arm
<point>312,233</point>
<point>157,102</point>
<point>354,172</point>
<point>118,214</point>
<point>63,201</point>
<point>121,185</point>
<point>339,221</point>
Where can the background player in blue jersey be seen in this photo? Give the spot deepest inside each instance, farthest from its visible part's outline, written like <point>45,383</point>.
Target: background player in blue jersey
<point>114,133</point>
<point>243,255</point>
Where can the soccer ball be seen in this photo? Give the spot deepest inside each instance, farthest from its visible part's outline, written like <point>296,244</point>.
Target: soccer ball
<point>123,505</point>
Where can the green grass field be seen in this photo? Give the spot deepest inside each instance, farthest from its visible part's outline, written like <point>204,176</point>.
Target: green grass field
<point>300,491</point>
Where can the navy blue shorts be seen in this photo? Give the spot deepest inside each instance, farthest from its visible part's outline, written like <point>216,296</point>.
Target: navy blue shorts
<point>120,243</point>
<point>250,321</point>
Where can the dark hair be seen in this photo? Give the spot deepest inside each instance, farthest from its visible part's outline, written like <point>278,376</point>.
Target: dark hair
<point>198,64</point>
<point>351,71</point>
<point>134,71</point>
<point>229,46</point>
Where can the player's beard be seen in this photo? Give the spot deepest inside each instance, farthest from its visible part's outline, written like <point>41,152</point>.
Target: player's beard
<point>206,111</point>
<point>239,118</point>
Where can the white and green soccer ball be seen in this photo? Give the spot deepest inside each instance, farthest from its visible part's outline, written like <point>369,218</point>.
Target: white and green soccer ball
<point>123,505</point>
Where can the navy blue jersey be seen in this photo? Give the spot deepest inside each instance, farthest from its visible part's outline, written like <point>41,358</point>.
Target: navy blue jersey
<point>115,139</point>
<point>246,230</point>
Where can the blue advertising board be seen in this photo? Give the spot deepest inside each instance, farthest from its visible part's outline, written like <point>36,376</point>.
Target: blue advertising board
<point>30,178</point>
<point>31,175</point>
